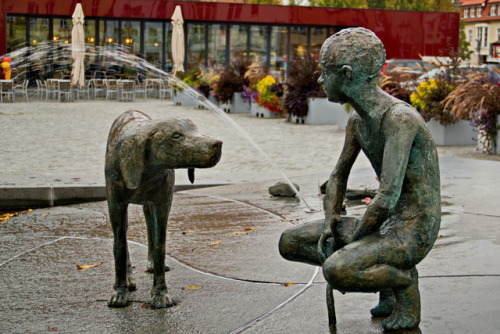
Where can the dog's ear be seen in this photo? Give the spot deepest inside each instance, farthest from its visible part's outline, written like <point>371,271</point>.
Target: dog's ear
<point>132,156</point>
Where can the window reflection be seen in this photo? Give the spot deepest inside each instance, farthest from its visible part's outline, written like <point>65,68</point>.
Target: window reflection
<point>217,44</point>
<point>153,42</point>
<point>298,41</point>
<point>239,41</point>
<point>258,45</point>
<point>16,33</point>
<point>279,52</point>
<point>196,45</point>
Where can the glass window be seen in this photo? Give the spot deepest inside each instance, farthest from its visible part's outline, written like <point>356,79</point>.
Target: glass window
<point>298,42</point>
<point>168,47</point>
<point>258,44</point>
<point>153,43</point>
<point>318,36</point>
<point>131,36</point>
<point>217,44</point>
<point>196,51</point>
<point>62,31</point>
<point>466,13</point>
<point>39,30</point>
<point>109,33</point>
<point>493,10</point>
<point>279,52</point>
<point>16,32</point>
<point>239,41</point>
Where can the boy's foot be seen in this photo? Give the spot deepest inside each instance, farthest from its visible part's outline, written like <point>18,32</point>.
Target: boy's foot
<point>386,304</point>
<point>406,314</point>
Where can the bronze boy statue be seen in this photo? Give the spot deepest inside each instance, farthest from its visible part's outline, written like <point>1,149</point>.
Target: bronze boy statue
<point>402,222</point>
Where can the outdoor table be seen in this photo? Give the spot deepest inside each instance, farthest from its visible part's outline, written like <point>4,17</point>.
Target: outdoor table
<point>153,85</point>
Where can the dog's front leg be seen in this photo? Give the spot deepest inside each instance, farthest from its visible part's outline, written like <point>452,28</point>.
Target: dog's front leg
<point>159,292</point>
<point>149,215</point>
<point>119,224</point>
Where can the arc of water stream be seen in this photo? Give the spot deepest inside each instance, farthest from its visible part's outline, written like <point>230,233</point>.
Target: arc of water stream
<point>119,55</point>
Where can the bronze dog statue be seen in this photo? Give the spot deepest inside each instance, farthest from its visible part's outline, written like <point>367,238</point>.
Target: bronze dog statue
<point>141,156</point>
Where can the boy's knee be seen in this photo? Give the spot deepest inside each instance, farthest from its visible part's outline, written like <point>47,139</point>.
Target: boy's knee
<point>285,245</point>
<point>336,271</point>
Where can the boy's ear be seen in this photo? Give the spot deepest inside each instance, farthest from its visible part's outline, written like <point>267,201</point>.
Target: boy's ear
<point>347,71</point>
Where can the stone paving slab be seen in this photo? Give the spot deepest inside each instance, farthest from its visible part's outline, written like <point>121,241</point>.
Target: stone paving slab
<point>43,291</point>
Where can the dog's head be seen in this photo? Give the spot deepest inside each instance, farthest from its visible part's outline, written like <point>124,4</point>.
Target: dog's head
<point>166,144</point>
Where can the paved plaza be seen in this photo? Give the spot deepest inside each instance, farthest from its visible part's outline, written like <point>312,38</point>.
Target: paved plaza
<point>227,275</point>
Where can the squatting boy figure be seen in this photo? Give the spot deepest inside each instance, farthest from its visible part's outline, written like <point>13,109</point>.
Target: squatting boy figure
<point>402,222</point>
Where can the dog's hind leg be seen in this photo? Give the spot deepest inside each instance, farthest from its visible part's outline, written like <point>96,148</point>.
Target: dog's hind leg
<point>118,217</point>
<point>149,216</point>
<point>159,292</point>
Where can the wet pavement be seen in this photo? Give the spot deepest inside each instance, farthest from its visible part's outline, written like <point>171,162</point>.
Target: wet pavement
<point>227,275</point>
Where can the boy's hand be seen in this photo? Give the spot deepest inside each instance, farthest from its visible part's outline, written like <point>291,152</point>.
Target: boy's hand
<point>326,242</point>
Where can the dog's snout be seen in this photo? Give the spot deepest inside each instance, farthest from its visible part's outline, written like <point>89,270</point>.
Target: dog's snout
<point>217,144</point>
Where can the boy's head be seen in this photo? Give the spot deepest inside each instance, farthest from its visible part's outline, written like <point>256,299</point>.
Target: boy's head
<point>358,48</point>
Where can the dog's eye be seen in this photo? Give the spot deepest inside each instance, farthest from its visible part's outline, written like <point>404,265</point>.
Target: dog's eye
<point>176,136</point>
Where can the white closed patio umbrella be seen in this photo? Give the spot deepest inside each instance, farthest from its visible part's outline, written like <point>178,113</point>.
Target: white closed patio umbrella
<point>78,47</point>
<point>178,40</point>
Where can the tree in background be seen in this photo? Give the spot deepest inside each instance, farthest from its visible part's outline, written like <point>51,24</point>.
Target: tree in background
<point>429,5</point>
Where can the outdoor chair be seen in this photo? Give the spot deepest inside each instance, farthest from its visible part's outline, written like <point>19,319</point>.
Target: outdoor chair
<point>153,87</point>
<point>52,89</point>
<point>140,88</point>
<point>96,88</point>
<point>64,91</point>
<point>127,91</point>
<point>22,89</point>
<point>7,91</point>
<point>41,89</point>
<point>165,90</point>
<point>111,88</point>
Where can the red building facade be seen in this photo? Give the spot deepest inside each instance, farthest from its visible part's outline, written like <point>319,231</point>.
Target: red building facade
<point>264,32</point>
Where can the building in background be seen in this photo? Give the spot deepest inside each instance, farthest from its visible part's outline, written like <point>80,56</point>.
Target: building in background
<point>218,33</point>
<point>482,29</point>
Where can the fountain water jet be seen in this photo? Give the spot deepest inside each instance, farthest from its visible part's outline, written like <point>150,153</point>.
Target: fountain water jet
<point>45,54</point>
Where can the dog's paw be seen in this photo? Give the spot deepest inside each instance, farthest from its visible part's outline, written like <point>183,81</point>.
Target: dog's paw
<point>131,286</point>
<point>119,299</point>
<point>161,300</point>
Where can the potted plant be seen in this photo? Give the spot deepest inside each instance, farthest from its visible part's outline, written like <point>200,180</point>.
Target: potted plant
<point>230,86</point>
<point>305,99</point>
<point>445,127</point>
<point>190,78</point>
<point>267,102</point>
<point>479,100</point>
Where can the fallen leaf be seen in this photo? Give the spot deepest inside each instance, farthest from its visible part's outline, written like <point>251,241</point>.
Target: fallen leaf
<point>238,233</point>
<point>250,228</point>
<point>6,216</point>
<point>45,214</point>
<point>148,306</point>
<point>289,284</point>
<point>187,232</point>
<point>215,243</point>
<point>52,329</point>
<point>192,287</point>
<point>30,210</point>
<point>87,266</point>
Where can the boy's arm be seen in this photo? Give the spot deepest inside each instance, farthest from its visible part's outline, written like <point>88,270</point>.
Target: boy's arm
<point>400,129</point>
<point>337,184</point>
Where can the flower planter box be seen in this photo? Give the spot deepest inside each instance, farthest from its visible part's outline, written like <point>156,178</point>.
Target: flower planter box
<point>184,99</point>
<point>458,134</point>
<point>239,106</point>
<point>258,111</point>
<point>226,107</point>
<point>493,150</point>
<point>321,111</point>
